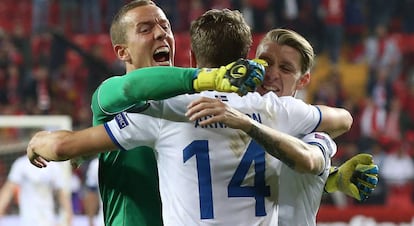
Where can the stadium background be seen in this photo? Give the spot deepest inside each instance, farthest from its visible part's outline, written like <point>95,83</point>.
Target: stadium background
<point>53,53</point>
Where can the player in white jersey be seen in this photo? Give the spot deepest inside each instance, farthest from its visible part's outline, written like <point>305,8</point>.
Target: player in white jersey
<point>300,190</point>
<point>220,170</point>
<point>290,58</point>
<point>36,188</point>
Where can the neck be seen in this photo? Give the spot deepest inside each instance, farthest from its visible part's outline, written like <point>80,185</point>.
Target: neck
<point>129,67</point>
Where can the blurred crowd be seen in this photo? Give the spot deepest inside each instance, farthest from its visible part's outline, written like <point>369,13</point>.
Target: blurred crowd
<point>36,77</point>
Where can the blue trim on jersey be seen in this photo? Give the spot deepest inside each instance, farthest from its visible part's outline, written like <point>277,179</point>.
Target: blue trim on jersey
<point>320,119</point>
<point>323,152</point>
<point>111,135</point>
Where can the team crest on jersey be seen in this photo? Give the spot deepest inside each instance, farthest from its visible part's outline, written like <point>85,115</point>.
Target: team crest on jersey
<point>121,120</point>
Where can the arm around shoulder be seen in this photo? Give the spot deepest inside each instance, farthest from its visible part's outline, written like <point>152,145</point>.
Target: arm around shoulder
<point>298,155</point>
<point>64,144</point>
<point>119,93</point>
<point>335,121</point>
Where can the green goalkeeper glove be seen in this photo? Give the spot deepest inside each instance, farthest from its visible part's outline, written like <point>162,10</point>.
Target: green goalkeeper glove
<point>241,76</point>
<point>357,177</point>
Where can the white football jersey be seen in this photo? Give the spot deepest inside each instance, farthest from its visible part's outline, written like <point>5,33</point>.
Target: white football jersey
<point>36,202</point>
<point>214,175</point>
<point>300,193</point>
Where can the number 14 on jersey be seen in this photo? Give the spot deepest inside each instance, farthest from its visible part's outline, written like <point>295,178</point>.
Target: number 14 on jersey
<point>254,155</point>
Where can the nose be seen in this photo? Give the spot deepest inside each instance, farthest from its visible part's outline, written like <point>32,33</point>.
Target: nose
<point>271,74</point>
<point>159,33</point>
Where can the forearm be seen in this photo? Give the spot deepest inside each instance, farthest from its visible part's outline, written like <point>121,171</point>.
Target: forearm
<point>153,83</point>
<point>293,152</point>
<point>87,142</point>
<point>63,145</point>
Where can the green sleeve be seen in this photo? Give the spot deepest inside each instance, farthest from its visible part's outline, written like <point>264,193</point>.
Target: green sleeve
<point>120,93</point>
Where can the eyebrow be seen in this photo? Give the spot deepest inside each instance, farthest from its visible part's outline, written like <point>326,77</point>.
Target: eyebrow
<point>162,20</point>
<point>151,21</point>
<point>289,64</point>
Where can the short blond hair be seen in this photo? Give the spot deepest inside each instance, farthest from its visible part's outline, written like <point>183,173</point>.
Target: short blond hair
<point>296,41</point>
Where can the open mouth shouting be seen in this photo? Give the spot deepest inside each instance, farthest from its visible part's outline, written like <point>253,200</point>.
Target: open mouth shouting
<point>162,56</point>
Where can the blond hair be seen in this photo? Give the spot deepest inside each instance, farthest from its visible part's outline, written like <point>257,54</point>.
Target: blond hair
<point>294,40</point>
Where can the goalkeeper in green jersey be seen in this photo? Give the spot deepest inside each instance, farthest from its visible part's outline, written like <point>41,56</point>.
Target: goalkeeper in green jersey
<point>141,37</point>
<point>128,181</point>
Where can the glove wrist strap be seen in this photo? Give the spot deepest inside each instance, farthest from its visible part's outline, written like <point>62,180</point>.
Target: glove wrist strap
<point>205,80</point>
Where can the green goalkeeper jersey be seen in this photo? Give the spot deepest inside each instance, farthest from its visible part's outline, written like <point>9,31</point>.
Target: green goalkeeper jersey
<point>128,180</point>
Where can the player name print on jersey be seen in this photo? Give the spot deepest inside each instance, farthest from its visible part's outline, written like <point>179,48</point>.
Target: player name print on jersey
<point>218,125</point>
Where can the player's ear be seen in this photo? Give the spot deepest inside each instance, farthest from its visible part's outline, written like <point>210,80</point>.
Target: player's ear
<point>303,81</point>
<point>121,51</point>
<point>193,60</point>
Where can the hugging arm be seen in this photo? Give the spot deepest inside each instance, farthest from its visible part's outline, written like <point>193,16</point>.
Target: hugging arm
<point>357,177</point>
<point>157,83</point>
<point>335,121</point>
<point>298,155</point>
<point>295,153</point>
<point>138,86</point>
<point>62,145</point>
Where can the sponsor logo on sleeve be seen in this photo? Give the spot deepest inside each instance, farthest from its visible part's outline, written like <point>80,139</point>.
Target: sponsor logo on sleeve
<point>121,120</point>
